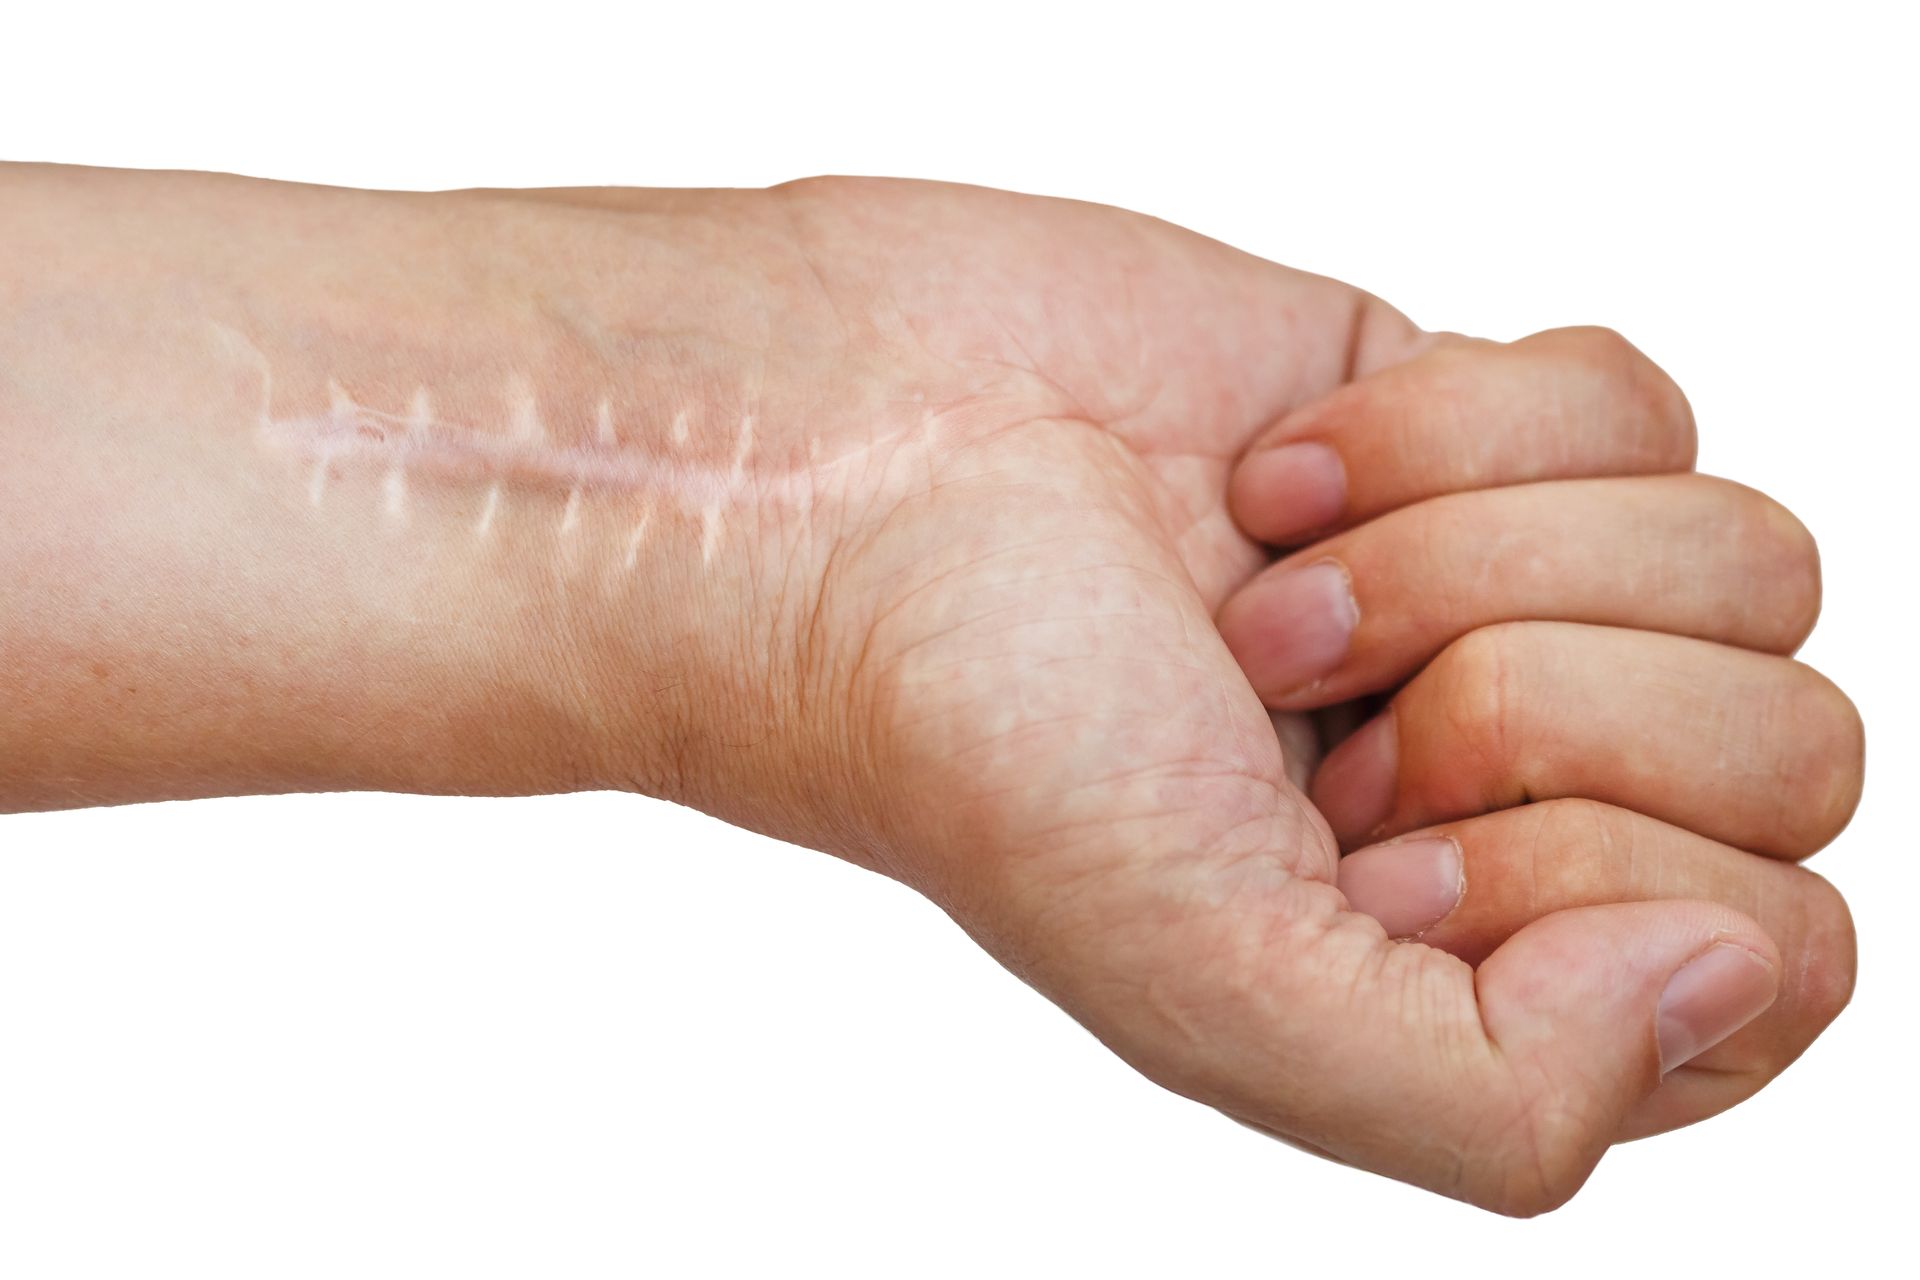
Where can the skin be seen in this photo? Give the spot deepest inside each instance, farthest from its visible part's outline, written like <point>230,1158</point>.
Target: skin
<point>948,608</point>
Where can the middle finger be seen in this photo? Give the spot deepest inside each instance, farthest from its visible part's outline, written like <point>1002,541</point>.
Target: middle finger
<point>1360,612</point>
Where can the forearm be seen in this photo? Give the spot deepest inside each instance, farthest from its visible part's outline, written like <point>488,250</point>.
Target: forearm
<point>315,489</point>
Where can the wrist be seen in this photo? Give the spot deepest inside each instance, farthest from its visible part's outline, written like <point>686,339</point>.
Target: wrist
<point>457,493</point>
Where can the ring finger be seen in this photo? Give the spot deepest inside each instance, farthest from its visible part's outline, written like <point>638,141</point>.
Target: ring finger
<point>1759,751</point>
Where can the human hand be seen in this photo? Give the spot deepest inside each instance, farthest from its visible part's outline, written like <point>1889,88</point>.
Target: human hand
<point>892,518</point>
<point>1593,704</point>
<point>1010,625</point>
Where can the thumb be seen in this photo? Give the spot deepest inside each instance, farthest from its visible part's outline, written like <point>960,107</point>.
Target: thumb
<point>1273,1002</point>
<point>1587,1009</point>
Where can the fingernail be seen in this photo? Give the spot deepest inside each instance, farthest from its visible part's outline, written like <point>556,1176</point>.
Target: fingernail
<point>1296,488</point>
<point>1354,788</point>
<point>1408,887</point>
<point>1712,996</point>
<point>1295,627</point>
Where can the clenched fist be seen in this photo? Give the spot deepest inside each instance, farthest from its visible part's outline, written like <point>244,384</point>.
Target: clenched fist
<point>933,526</point>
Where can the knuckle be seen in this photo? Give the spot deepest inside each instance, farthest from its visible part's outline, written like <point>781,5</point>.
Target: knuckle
<point>1542,1151</point>
<point>1829,963</point>
<point>1825,776</point>
<point>1584,849</point>
<point>1652,400</point>
<point>1785,553</point>
<point>1601,347</point>
<point>827,184</point>
<point>1776,554</point>
<point>1478,685</point>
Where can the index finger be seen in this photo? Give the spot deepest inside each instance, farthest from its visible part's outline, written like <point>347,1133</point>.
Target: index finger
<point>1465,414</point>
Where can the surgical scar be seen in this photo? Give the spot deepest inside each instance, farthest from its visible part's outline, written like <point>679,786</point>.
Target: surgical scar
<point>590,465</point>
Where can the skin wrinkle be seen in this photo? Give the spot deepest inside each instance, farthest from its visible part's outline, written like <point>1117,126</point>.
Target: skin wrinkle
<point>1073,408</point>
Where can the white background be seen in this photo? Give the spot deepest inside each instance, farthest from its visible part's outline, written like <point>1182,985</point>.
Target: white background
<point>595,1035</point>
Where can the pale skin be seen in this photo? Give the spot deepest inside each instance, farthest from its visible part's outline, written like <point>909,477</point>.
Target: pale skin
<point>932,526</point>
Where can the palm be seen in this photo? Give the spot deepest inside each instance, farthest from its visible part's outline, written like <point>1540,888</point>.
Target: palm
<point>1034,621</point>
